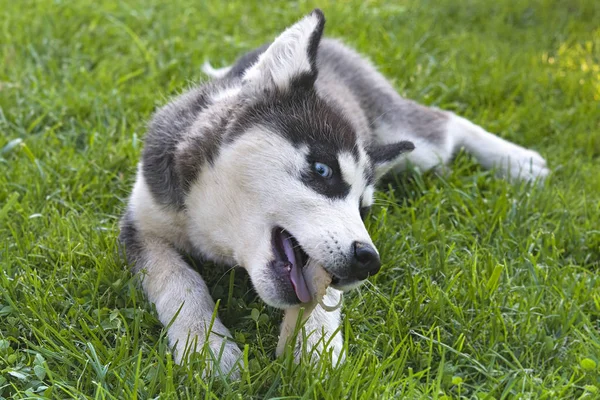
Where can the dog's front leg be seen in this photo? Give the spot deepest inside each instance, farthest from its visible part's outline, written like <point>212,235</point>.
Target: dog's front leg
<point>182,299</point>
<point>320,334</point>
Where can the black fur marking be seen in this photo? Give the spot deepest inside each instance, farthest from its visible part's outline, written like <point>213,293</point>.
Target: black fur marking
<point>364,212</point>
<point>166,169</point>
<point>198,151</point>
<point>303,118</point>
<point>315,39</point>
<point>300,117</point>
<point>303,81</point>
<point>333,187</point>
<point>370,175</point>
<point>307,80</point>
<point>382,154</point>
<point>131,246</point>
<point>245,62</point>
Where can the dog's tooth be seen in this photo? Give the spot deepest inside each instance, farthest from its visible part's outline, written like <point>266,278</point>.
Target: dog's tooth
<point>288,266</point>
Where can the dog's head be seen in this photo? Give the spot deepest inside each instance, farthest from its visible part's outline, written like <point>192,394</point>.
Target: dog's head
<point>293,180</point>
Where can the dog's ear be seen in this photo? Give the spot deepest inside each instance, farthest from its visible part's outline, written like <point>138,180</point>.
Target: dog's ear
<point>385,156</point>
<point>291,60</point>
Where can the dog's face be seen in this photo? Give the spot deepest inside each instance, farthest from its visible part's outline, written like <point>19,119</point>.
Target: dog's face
<point>293,181</point>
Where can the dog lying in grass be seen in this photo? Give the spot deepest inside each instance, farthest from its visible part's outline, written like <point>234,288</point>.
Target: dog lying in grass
<point>272,166</point>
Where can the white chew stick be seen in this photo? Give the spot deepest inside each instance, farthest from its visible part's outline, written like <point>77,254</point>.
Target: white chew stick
<point>318,280</point>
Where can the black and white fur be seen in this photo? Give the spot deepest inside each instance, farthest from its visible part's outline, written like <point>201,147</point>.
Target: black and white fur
<point>228,163</point>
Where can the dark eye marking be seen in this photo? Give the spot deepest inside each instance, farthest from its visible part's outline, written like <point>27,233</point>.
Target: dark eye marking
<point>324,175</point>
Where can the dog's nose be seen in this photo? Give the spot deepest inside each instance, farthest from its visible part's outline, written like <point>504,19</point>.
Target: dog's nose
<point>365,261</point>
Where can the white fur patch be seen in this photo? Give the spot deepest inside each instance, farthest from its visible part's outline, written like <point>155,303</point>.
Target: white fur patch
<point>367,197</point>
<point>287,57</point>
<point>228,204</point>
<point>351,173</point>
<point>226,94</point>
<point>214,72</point>
<point>152,218</point>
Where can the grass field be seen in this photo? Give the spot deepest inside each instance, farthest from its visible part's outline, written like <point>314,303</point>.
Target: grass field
<point>489,290</point>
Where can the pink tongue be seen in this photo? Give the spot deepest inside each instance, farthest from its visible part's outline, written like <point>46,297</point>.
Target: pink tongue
<point>296,276</point>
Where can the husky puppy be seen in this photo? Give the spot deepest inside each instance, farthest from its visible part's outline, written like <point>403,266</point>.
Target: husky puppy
<point>274,163</point>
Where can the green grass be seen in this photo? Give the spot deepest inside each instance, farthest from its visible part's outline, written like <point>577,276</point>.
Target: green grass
<point>489,290</point>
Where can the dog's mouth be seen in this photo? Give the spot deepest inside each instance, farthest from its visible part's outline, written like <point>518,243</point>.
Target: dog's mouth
<point>290,256</point>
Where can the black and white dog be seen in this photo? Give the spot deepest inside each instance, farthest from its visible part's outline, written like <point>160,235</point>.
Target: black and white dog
<point>272,165</point>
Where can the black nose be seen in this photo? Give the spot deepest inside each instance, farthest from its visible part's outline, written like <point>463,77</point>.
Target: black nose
<point>365,261</point>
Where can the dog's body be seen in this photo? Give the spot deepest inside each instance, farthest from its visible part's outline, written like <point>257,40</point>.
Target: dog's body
<point>272,164</point>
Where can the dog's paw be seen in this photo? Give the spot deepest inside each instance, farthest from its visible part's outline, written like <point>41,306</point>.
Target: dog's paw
<point>223,356</point>
<point>521,164</point>
<point>225,359</point>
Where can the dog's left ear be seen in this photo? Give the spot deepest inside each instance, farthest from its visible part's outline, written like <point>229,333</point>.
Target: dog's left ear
<point>291,60</point>
<point>385,156</point>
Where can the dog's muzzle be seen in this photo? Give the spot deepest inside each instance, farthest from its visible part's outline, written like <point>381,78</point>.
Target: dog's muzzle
<point>363,262</point>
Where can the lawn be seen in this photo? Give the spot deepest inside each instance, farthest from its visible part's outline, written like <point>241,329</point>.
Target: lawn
<point>489,290</point>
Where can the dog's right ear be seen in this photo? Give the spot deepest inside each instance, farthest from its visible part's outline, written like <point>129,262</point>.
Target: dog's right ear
<point>386,156</point>
<point>291,60</point>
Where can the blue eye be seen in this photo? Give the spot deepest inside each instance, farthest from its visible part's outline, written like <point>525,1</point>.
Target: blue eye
<point>323,170</point>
